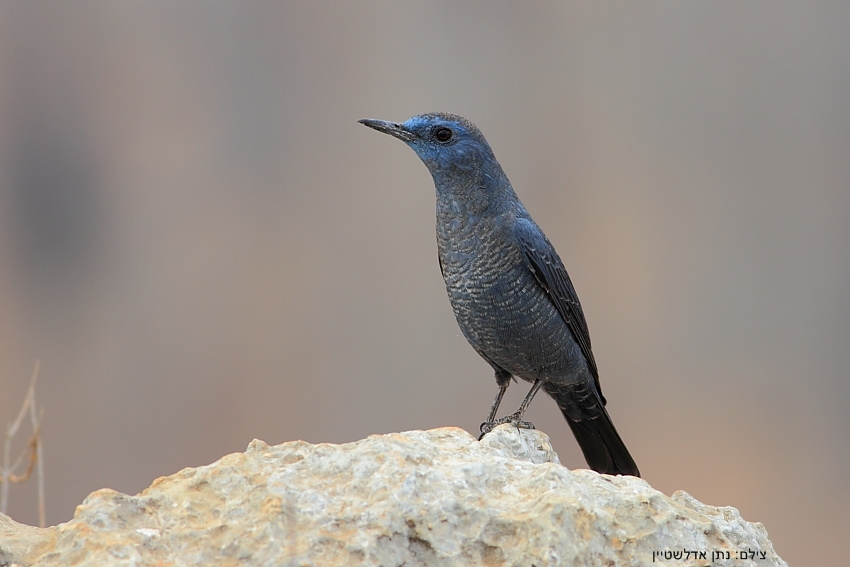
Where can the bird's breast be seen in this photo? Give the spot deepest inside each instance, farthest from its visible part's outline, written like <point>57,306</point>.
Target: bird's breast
<point>499,306</point>
<point>475,250</point>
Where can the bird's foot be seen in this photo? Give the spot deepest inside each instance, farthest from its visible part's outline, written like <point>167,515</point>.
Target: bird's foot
<point>513,419</point>
<point>486,427</point>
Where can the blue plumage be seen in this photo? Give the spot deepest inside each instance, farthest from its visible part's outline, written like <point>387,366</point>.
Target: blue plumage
<point>511,295</point>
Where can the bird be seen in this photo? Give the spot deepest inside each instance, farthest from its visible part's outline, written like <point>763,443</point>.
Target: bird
<point>511,295</point>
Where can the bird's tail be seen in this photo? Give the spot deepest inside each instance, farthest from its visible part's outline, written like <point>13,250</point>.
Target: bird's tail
<point>603,449</point>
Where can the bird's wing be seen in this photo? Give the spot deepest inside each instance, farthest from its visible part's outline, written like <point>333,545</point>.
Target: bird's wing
<point>550,273</point>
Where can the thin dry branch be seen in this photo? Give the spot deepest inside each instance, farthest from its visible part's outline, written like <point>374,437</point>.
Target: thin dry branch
<point>7,474</point>
<point>39,457</point>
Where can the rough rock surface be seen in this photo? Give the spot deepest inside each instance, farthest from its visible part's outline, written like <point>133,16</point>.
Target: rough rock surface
<point>418,498</point>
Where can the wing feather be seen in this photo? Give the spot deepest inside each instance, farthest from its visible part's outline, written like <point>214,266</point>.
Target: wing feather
<point>546,265</point>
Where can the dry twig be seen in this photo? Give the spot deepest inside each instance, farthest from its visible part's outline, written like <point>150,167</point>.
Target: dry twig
<point>35,461</point>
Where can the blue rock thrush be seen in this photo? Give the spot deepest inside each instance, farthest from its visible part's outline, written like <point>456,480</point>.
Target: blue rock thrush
<point>509,290</point>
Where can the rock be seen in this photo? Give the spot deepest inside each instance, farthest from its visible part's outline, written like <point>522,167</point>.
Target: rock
<point>418,498</point>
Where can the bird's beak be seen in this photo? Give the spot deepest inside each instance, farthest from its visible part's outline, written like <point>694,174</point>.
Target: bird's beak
<point>391,128</point>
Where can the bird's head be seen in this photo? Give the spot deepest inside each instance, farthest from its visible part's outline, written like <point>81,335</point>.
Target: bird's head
<point>448,144</point>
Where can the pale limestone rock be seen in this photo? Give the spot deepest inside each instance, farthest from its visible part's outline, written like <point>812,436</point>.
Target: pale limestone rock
<point>418,498</point>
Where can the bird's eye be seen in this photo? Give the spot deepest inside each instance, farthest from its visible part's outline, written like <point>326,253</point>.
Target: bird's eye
<point>443,134</point>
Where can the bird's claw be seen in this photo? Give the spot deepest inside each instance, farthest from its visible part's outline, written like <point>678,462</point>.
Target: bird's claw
<point>486,427</point>
<point>513,419</point>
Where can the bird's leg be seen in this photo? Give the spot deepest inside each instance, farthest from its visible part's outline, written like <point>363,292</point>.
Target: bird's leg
<point>488,425</point>
<point>503,380</point>
<point>516,417</point>
<point>528,397</point>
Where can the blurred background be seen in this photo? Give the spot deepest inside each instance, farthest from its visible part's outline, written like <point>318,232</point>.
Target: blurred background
<point>203,246</point>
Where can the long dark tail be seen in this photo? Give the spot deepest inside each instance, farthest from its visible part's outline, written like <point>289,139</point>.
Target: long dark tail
<point>603,449</point>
